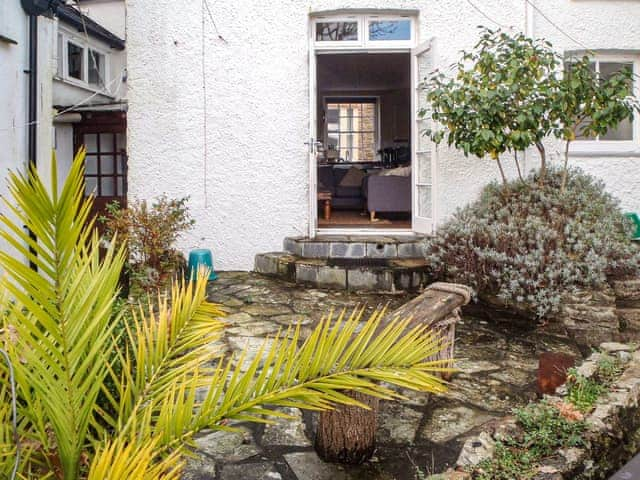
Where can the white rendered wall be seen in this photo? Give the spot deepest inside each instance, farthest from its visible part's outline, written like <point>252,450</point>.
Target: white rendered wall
<point>14,60</point>
<point>253,191</point>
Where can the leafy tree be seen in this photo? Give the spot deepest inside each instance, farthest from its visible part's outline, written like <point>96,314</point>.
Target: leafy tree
<point>57,326</point>
<point>499,98</point>
<point>508,94</point>
<point>588,105</point>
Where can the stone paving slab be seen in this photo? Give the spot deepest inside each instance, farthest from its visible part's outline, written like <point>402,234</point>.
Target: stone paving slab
<point>498,367</point>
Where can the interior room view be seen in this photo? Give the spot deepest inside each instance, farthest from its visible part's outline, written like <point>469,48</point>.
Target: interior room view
<point>364,160</point>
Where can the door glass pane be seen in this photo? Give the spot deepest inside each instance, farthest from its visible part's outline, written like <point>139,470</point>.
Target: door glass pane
<point>424,201</point>
<point>75,56</point>
<point>389,30</point>
<point>90,184</point>
<point>336,31</point>
<point>91,142</point>
<point>90,165</point>
<point>423,167</point>
<point>120,183</point>
<point>107,166</point>
<point>108,187</point>
<point>120,159</point>
<point>107,142</point>
<point>121,143</point>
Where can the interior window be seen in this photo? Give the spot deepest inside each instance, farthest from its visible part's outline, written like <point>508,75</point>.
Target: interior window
<point>351,128</point>
<point>624,130</point>
<point>336,31</point>
<point>96,68</point>
<point>75,60</point>
<point>389,30</point>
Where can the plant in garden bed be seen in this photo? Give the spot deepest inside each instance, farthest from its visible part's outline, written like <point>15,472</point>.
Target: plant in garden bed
<point>544,431</point>
<point>533,245</point>
<point>58,327</point>
<point>149,233</point>
<point>583,392</point>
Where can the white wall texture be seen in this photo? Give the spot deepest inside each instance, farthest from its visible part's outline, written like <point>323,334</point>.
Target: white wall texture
<point>252,190</point>
<point>14,60</point>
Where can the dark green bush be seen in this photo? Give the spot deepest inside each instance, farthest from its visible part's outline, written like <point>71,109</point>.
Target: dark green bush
<point>530,244</point>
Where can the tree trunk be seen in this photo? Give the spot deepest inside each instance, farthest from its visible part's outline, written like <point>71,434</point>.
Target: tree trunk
<point>543,162</point>
<point>347,434</point>
<point>515,156</point>
<point>566,166</point>
<point>504,177</point>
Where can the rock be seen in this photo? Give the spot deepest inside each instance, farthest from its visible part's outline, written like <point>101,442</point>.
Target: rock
<point>238,318</point>
<point>227,446</point>
<point>233,302</point>
<point>397,423</point>
<point>450,475</point>
<point>508,428</point>
<point>475,450</point>
<point>199,468</point>
<point>292,319</point>
<point>624,357</point>
<point>589,367</point>
<point>290,432</point>
<point>250,471</point>
<point>629,318</point>
<point>253,329</point>
<point>267,310</point>
<point>308,466</point>
<point>627,290</point>
<point>448,422</point>
<point>613,347</point>
<point>251,345</point>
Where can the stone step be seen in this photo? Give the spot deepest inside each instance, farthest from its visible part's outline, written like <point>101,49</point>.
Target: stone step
<point>392,275</point>
<point>334,246</point>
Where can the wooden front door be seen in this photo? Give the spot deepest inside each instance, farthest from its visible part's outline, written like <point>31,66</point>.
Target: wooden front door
<point>104,137</point>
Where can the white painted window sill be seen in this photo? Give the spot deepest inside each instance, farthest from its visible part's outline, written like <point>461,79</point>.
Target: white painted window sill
<point>604,149</point>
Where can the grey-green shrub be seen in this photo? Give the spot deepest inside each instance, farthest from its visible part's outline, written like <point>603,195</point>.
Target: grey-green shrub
<point>529,244</point>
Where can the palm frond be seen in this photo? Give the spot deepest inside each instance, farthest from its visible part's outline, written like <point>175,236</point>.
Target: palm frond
<point>170,348</point>
<point>335,358</point>
<point>62,327</point>
<point>119,460</point>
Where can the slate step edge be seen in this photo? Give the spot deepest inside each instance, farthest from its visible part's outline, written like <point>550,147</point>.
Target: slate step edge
<point>356,247</point>
<point>401,275</point>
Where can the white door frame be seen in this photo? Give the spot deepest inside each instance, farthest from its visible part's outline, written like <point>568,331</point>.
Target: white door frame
<point>314,51</point>
<point>314,230</point>
<point>420,225</point>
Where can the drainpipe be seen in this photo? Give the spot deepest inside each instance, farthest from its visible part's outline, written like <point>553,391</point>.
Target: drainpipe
<point>33,91</point>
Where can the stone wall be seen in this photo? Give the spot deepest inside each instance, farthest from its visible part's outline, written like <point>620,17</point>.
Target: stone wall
<point>587,316</point>
<point>611,439</point>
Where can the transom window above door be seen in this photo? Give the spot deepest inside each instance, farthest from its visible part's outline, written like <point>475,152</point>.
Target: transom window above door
<point>365,31</point>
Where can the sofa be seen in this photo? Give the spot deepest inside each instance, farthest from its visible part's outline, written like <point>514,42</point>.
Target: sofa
<point>342,197</point>
<point>387,193</point>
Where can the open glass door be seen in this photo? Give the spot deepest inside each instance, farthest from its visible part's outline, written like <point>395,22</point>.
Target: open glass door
<point>311,143</point>
<point>422,149</point>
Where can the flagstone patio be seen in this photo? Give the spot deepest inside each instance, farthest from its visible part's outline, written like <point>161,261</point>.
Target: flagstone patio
<point>498,372</point>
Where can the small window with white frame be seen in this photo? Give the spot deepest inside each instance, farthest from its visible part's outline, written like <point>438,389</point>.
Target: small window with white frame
<point>81,63</point>
<point>626,135</point>
<point>364,31</point>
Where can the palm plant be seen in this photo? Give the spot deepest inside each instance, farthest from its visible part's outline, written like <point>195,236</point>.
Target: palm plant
<point>59,328</point>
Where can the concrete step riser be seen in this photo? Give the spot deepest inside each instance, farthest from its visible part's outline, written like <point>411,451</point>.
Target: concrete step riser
<point>317,273</point>
<point>382,248</point>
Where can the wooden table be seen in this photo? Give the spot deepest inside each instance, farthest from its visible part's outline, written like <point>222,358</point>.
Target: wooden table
<point>325,197</point>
